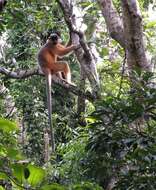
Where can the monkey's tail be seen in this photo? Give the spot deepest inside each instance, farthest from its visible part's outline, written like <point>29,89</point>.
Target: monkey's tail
<point>49,102</point>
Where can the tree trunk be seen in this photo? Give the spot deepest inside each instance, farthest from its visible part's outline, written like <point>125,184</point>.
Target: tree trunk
<point>133,34</point>
<point>84,55</point>
<point>128,32</point>
<point>113,21</point>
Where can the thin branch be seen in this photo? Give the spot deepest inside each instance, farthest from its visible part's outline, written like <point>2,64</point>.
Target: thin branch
<point>22,74</point>
<point>10,112</point>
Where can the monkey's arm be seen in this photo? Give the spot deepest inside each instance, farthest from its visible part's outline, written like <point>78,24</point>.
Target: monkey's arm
<point>61,50</point>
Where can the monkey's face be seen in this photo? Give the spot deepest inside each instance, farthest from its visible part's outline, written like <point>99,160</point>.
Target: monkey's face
<point>55,38</point>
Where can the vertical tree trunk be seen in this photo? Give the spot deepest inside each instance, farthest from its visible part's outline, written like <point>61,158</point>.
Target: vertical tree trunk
<point>133,34</point>
<point>113,21</point>
<point>84,55</point>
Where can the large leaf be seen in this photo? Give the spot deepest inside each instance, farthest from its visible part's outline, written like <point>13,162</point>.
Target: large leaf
<point>18,171</point>
<point>36,175</point>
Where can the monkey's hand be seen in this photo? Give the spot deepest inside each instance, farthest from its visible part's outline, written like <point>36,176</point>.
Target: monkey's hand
<point>76,46</point>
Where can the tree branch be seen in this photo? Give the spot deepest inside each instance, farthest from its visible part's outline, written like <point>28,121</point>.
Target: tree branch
<point>113,21</point>
<point>83,54</point>
<point>133,32</point>
<point>22,74</point>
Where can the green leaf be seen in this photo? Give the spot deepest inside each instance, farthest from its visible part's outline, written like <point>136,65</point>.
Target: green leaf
<point>18,172</point>
<point>86,186</point>
<point>91,119</point>
<point>1,188</point>
<point>7,126</point>
<point>2,150</point>
<point>36,175</point>
<point>151,24</point>
<point>52,187</point>
<point>3,176</point>
<point>12,153</point>
<point>105,51</point>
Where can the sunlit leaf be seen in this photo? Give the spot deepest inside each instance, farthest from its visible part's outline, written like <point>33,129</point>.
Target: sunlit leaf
<point>7,126</point>
<point>3,176</point>
<point>91,119</point>
<point>151,24</point>
<point>1,188</point>
<point>36,175</point>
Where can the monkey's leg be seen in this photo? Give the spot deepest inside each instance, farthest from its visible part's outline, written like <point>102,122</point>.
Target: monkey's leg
<point>60,75</point>
<point>63,67</point>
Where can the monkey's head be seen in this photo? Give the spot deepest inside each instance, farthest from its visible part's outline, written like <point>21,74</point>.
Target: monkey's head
<point>55,38</point>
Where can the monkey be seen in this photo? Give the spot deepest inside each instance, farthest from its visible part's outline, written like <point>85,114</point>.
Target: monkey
<point>48,57</point>
<point>48,61</point>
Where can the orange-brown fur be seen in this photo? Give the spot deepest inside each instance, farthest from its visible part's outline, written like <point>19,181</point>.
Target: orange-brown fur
<point>48,56</point>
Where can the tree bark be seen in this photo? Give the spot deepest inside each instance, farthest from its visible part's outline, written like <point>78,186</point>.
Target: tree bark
<point>128,32</point>
<point>9,104</point>
<point>22,74</point>
<point>113,21</point>
<point>83,54</point>
<point>133,32</point>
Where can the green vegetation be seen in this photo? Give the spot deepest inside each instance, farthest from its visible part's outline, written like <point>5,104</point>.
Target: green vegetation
<point>106,143</point>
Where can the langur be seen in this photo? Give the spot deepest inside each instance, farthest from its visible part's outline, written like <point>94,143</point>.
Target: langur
<point>49,64</point>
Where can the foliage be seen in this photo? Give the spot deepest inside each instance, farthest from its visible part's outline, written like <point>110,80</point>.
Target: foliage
<point>13,169</point>
<point>117,149</point>
<point>70,166</point>
<point>22,42</point>
<point>23,174</point>
<point>108,147</point>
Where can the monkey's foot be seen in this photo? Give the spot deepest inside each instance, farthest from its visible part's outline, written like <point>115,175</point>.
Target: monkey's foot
<point>71,83</point>
<point>68,83</point>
